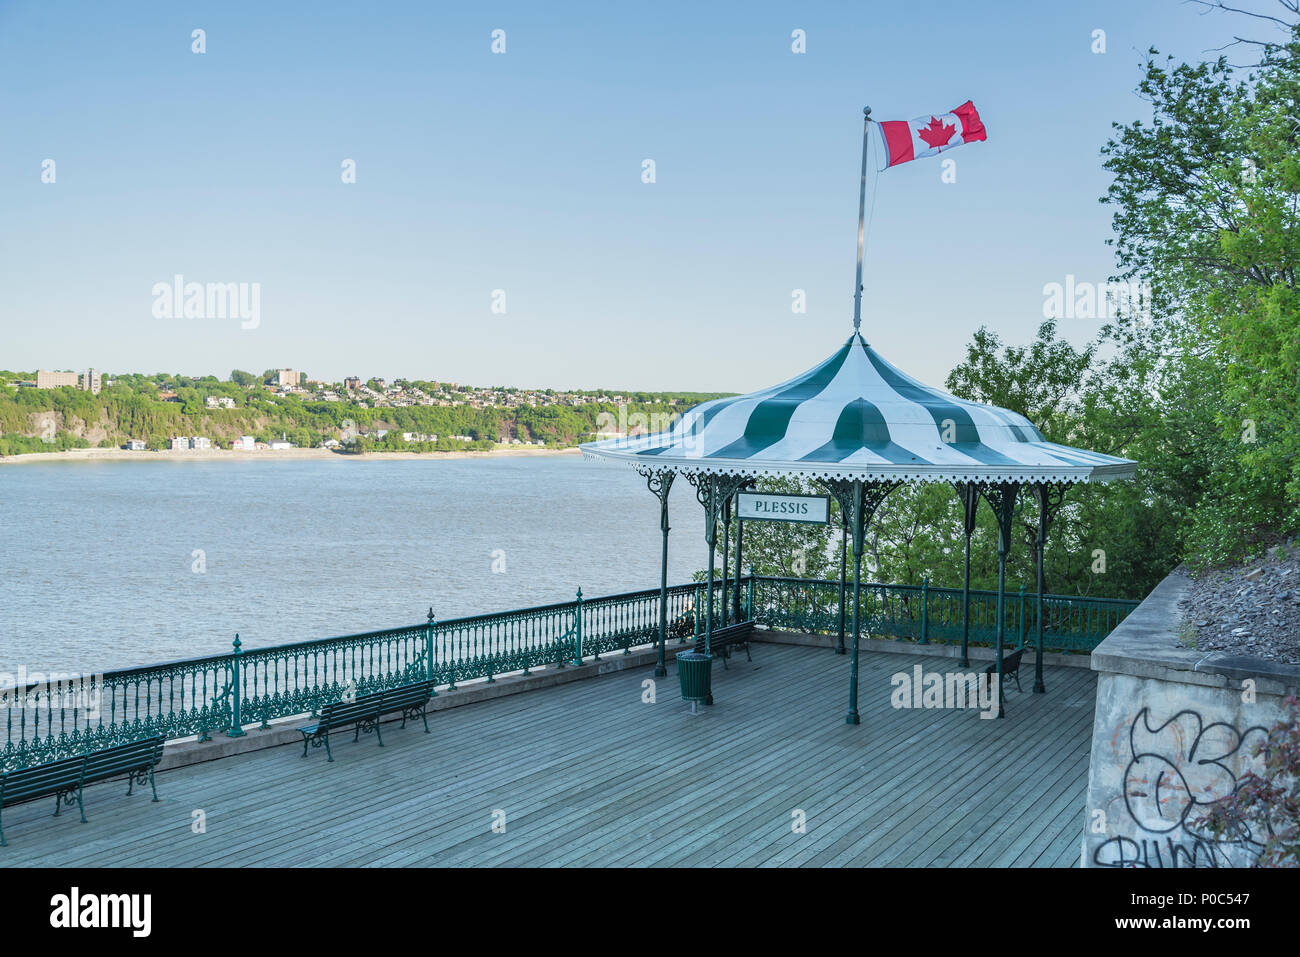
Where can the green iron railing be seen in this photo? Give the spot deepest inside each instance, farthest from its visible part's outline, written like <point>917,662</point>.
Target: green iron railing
<point>51,718</point>
<point>926,614</point>
<point>224,693</point>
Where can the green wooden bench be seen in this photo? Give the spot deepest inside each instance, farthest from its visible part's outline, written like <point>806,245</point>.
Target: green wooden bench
<point>732,636</point>
<point>66,777</point>
<point>364,711</point>
<point>1010,666</point>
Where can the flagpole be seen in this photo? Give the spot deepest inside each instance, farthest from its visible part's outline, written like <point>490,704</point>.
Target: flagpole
<point>862,212</point>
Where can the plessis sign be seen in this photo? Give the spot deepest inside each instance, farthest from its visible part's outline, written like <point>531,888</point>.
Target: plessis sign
<point>814,509</point>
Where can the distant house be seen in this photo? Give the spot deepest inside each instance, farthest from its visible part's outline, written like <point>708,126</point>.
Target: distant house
<point>134,445</point>
<point>220,402</point>
<point>245,443</point>
<point>280,444</point>
<point>180,442</point>
<point>352,383</point>
<point>200,442</point>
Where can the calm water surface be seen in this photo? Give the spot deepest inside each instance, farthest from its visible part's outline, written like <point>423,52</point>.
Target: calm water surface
<point>97,559</point>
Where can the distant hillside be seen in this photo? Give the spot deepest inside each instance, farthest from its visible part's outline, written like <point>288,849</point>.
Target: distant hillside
<point>156,408</point>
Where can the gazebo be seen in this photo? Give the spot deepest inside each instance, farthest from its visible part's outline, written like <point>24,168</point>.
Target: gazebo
<point>860,427</point>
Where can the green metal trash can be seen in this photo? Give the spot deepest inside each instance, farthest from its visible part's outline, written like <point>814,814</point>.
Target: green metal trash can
<point>695,672</point>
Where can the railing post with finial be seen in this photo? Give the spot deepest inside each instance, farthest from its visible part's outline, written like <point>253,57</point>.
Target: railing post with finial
<point>577,630</point>
<point>428,648</point>
<point>236,720</point>
<point>925,611</point>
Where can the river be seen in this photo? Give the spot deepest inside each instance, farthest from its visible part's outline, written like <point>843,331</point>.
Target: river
<point>115,564</point>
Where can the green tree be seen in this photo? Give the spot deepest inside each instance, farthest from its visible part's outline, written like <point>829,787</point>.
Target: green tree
<point>1206,209</point>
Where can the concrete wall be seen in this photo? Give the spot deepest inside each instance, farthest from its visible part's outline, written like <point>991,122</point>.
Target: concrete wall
<point>1173,732</point>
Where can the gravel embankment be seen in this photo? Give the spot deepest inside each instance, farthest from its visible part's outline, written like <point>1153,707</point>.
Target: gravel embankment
<point>1251,609</point>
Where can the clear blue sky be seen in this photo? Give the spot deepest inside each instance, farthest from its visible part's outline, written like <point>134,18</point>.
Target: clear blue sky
<point>522,172</point>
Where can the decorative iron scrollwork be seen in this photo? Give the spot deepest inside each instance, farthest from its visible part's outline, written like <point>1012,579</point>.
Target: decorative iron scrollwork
<point>858,501</point>
<point>1002,499</point>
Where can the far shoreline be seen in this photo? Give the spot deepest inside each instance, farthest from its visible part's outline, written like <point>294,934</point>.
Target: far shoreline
<point>279,455</point>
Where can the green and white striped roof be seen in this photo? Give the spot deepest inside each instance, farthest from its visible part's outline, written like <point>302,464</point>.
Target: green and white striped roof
<point>857,416</point>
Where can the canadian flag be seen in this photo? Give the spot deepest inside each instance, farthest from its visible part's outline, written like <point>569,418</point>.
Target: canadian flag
<point>927,135</point>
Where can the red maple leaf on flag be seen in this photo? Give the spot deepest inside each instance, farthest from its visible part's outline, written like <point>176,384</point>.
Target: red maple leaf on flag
<point>936,134</point>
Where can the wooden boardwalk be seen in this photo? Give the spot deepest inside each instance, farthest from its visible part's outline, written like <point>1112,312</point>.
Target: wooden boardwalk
<point>588,774</point>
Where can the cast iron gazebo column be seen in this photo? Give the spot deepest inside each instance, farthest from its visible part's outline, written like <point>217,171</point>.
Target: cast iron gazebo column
<point>969,493</point>
<point>844,546</point>
<point>859,500</point>
<point>1002,499</point>
<point>740,545</point>
<point>711,491</point>
<point>726,558</point>
<point>1051,496</point>
<point>660,482</point>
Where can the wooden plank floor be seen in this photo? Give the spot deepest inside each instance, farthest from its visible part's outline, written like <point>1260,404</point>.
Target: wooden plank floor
<point>588,774</point>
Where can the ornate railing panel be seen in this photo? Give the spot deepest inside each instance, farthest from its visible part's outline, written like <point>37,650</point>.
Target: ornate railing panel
<point>484,646</point>
<point>48,719</point>
<point>925,614</point>
<point>294,679</point>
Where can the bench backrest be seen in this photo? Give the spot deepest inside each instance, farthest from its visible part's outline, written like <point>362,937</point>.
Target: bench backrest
<point>23,783</point>
<point>367,706</point>
<point>408,696</point>
<point>346,712</point>
<point>20,784</point>
<point>1010,662</point>
<point>739,632</point>
<point>132,756</point>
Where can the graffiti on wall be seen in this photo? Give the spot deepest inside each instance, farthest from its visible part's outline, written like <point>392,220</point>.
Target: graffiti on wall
<point>1176,771</point>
